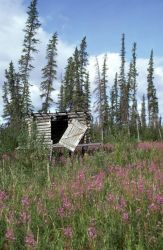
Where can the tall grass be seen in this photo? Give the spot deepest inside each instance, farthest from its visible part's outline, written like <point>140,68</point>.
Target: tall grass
<point>102,201</point>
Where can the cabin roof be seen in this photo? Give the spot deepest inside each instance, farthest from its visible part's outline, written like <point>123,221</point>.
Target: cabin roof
<point>51,115</point>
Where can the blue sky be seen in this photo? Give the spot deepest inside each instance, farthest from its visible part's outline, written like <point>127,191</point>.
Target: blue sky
<point>103,21</point>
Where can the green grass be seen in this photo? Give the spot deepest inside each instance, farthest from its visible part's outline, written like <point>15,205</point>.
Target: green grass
<point>102,201</point>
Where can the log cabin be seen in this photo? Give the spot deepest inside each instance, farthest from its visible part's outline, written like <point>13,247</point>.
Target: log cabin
<point>51,126</point>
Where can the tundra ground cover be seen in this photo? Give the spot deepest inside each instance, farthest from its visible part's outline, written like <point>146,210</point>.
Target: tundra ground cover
<point>102,201</point>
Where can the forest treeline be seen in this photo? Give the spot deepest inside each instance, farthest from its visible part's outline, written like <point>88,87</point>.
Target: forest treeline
<point>115,111</point>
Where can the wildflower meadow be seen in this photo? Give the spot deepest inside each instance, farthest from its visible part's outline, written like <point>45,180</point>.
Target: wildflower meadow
<point>104,200</point>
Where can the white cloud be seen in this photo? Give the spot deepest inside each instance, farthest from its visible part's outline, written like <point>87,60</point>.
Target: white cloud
<point>142,64</point>
<point>11,38</point>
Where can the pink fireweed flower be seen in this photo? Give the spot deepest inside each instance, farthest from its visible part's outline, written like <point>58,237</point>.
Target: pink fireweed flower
<point>97,182</point>
<point>3,196</point>
<point>68,232</point>
<point>159,199</point>
<point>125,216</point>
<point>111,198</point>
<point>153,207</point>
<point>117,208</point>
<point>92,233</point>
<point>81,176</point>
<point>140,184</point>
<point>66,203</point>
<point>25,201</point>
<point>122,202</point>
<point>61,212</point>
<point>153,167</point>
<point>145,145</point>
<point>9,234</point>
<point>24,217</point>
<point>30,241</point>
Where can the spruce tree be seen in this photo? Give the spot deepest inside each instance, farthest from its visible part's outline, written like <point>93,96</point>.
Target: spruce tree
<point>12,95</point>
<point>114,101</point>
<point>151,95</point>
<point>99,92</point>
<point>83,58</point>
<point>133,87</point>
<point>61,100</point>
<point>122,84</point>
<point>87,97</point>
<point>49,73</point>
<point>143,113</point>
<point>29,48</point>
<point>6,98</point>
<point>77,90</point>
<point>128,98</point>
<point>68,84</point>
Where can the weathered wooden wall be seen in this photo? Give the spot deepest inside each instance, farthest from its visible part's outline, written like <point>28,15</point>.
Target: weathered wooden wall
<point>43,124</point>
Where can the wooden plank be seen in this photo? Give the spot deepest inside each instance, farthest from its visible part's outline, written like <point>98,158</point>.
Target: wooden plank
<point>73,135</point>
<point>43,122</point>
<point>43,133</point>
<point>44,127</point>
<point>44,137</point>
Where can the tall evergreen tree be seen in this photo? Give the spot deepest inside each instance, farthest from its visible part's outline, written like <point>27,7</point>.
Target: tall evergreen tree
<point>133,87</point>
<point>151,94</point>
<point>143,113</point>
<point>101,103</point>
<point>61,99</point>
<point>87,97</point>
<point>122,84</point>
<point>29,47</point>
<point>49,73</point>
<point>6,104</point>
<point>128,98</point>
<point>83,58</point>
<point>12,95</point>
<point>76,79</point>
<point>114,101</point>
<point>68,84</point>
<point>104,97</point>
<point>77,90</point>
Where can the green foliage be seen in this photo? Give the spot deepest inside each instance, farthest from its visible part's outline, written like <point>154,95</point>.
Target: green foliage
<point>102,201</point>
<point>75,89</point>
<point>151,95</point>
<point>12,95</point>
<point>114,102</point>
<point>122,84</point>
<point>49,73</point>
<point>143,113</point>
<point>29,48</point>
<point>9,138</point>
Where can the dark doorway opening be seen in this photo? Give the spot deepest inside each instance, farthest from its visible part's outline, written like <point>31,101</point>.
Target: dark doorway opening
<point>58,127</point>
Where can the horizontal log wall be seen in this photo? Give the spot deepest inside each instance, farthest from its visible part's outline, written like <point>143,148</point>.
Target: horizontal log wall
<point>43,123</point>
